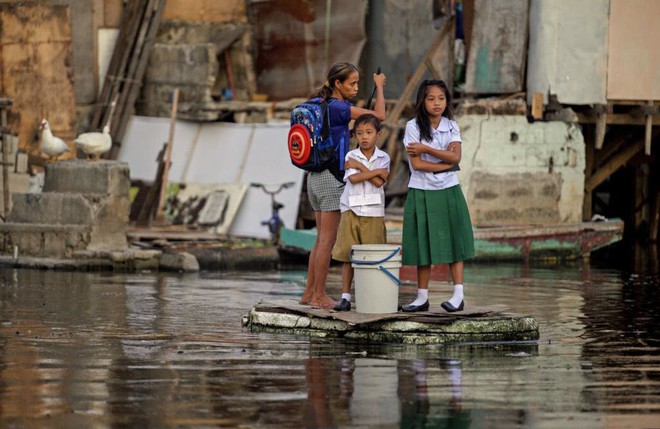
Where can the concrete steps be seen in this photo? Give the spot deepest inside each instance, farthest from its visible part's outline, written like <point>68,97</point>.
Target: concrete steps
<point>84,206</point>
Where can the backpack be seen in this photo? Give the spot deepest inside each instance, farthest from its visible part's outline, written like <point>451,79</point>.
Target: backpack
<point>310,140</point>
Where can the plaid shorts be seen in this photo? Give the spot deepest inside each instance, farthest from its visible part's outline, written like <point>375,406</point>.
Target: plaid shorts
<point>324,191</point>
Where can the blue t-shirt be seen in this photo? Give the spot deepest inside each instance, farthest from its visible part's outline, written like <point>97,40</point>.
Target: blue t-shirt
<point>340,116</point>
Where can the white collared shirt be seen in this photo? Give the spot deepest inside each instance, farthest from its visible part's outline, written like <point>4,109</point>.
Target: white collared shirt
<point>446,133</point>
<point>378,160</point>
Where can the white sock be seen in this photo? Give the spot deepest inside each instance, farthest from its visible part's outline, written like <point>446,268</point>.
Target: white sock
<point>457,298</point>
<point>346,296</point>
<point>422,297</point>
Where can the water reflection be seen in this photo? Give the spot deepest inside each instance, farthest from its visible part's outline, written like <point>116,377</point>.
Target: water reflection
<point>117,350</point>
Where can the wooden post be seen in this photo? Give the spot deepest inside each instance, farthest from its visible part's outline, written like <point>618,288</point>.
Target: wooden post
<point>537,105</point>
<point>655,218</point>
<point>647,130</point>
<point>587,202</point>
<point>601,123</point>
<point>168,152</point>
<point>5,161</point>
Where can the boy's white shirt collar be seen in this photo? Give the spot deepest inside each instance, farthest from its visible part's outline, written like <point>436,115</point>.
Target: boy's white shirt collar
<point>377,153</point>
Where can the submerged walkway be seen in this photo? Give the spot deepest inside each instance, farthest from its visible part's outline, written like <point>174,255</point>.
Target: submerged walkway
<point>436,326</point>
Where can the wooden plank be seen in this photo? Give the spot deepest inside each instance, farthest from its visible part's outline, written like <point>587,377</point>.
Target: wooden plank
<point>614,144</point>
<point>131,79</point>
<point>150,203</point>
<point>114,78</point>
<point>613,165</point>
<point>618,119</point>
<point>136,79</point>
<point>168,152</point>
<point>206,11</point>
<point>537,105</point>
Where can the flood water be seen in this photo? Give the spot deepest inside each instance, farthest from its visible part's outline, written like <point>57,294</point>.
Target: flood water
<point>104,350</point>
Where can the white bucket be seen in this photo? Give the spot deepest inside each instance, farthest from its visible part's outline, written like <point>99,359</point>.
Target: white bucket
<point>376,277</point>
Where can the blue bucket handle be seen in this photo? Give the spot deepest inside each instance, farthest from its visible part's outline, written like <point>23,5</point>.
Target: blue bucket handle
<point>390,275</point>
<point>374,262</point>
<point>387,272</point>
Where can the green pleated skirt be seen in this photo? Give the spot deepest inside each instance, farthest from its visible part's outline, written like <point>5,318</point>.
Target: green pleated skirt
<point>436,227</point>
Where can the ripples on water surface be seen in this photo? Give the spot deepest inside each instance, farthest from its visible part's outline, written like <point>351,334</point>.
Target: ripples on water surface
<point>113,350</point>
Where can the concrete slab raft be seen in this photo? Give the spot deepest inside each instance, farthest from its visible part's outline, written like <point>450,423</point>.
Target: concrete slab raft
<point>436,326</point>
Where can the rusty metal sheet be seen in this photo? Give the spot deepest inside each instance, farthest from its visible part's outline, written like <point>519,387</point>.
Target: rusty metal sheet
<point>496,61</point>
<point>290,42</point>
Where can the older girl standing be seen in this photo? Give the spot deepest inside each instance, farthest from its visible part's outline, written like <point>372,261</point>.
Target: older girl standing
<point>436,225</point>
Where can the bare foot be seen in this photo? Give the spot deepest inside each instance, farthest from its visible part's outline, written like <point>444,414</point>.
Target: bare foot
<point>307,297</point>
<point>324,301</point>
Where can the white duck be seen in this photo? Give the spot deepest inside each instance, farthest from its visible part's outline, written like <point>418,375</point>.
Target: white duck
<point>94,144</point>
<point>49,144</point>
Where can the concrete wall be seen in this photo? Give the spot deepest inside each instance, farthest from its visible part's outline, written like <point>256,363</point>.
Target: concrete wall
<point>514,172</point>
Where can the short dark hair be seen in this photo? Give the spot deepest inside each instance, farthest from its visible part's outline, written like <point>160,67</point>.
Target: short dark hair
<point>367,118</point>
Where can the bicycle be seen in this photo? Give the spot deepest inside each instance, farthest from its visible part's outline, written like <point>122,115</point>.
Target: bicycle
<point>274,223</point>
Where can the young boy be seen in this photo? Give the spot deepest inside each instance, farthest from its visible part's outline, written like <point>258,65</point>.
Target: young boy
<point>362,203</point>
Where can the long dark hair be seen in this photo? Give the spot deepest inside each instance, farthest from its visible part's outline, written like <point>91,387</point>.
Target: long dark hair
<point>338,72</point>
<point>421,115</point>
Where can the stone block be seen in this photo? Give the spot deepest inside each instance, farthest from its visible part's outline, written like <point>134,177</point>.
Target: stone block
<point>26,243</point>
<point>44,241</point>
<point>183,65</point>
<point>184,261</point>
<point>156,99</point>
<point>52,209</point>
<point>17,183</point>
<point>85,177</point>
<point>515,198</point>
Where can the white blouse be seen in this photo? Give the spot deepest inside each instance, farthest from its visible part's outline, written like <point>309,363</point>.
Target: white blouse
<point>446,133</point>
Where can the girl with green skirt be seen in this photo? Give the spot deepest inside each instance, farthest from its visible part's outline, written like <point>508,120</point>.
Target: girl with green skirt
<point>436,221</point>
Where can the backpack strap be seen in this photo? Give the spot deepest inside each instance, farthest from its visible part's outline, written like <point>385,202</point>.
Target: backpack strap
<point>325,109</point>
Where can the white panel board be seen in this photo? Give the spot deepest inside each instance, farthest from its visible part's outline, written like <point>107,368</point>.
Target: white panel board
<point>568,50</point>
<point>220,153</point>
<point>107,39</point>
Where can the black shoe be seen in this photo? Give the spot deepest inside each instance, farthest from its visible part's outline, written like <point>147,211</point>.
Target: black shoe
<point>449,308</point>
<point>344,305</point>
<point>414,308</point>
